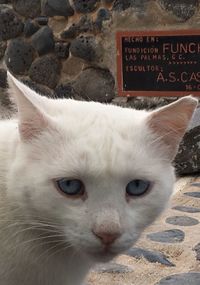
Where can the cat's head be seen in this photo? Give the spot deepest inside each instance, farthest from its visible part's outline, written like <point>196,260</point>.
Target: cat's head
<point>98,174</point>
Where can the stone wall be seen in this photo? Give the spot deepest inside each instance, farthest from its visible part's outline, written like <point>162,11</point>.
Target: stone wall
<point>66,48</point>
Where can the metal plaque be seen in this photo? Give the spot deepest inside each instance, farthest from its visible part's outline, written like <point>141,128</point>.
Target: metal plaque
<point>158,63</point>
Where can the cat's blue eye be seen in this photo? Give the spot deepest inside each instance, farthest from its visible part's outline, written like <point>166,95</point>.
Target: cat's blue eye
<point>72,187</point>
<point>137,187</point>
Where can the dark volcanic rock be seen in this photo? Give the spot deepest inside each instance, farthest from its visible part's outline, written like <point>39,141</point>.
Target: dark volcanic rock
<point>151,256</point>
<point>19,56</point>
<point>191,278</point>
<point>86,48</point>
<point>7,107</point>
<point>121,5</point>
<point>10,24</point>
<point>186,209</point>
<point>187,161</point>
<point>112,268</point>
<point>3,78</point>
<point>43,40</point>
<point>45,70</point>
<point>39,88</point>
<point>197,250</point>
<point>62,50</point>
<point>108,1</point>
<point>182,221</point>
<point>148,103</point>
<point>30,28</point>
<point>65,90</point>
<point>193,194</point>
<point>71,32</point>
<point>95,84</point>
<point>169,236</point>
<point>85,6</point>
<point>27,8</point>
<point>183,9</point>
<point>52,8</point>
<point>84,25</point>
<point>3,46</point>
<point>42,20</point>
<point>102,15</point>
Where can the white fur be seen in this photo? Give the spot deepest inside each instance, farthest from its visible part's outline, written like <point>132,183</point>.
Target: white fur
<point>104,146</point>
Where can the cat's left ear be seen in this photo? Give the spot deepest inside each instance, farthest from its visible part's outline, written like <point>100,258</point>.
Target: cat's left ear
<point>169,124</point>
<point>32,119</point>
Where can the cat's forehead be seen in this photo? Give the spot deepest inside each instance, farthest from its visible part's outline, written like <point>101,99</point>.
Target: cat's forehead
<point>94,114</point>
<point>92,138</point>
<point>98,138</point>
<point>96,124</point>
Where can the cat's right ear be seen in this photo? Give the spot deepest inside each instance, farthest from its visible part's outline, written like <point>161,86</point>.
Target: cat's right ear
<point>32,120</point>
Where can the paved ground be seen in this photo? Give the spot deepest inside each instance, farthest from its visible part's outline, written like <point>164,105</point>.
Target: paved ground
<point>168,253</point>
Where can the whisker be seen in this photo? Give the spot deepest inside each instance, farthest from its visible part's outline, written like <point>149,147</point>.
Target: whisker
<point>57,251</point>
<point>51,248</point>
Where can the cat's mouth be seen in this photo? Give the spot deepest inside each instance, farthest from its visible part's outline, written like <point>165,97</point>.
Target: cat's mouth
<point>104,255</point>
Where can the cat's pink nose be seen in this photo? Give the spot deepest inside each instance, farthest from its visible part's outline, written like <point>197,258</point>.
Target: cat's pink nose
<point>107,238</point>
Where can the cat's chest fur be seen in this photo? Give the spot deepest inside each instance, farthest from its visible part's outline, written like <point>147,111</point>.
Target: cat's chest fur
<point>54,272</point>
<point>24,261</point>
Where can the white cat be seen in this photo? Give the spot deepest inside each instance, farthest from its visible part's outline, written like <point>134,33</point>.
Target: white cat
<point>79,181</point>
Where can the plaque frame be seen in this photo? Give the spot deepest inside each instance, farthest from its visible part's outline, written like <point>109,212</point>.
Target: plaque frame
<point>150,33</point>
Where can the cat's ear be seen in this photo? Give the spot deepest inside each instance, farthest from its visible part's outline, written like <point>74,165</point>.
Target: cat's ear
<point>169,123</point>
<point>32,120</point>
